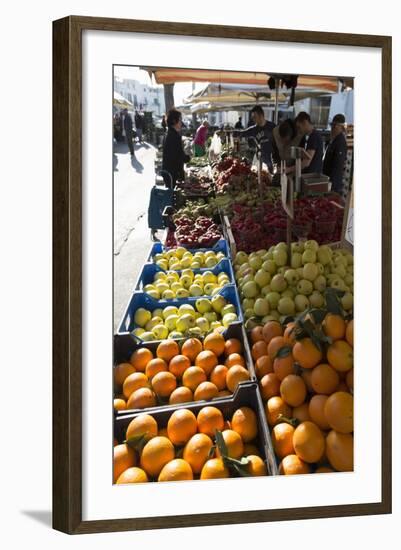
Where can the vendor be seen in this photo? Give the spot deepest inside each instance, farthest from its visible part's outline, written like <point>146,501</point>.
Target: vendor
<point>173,150</point>
<point>285,136</point>
<point>311,143</point>
<point>336,154</point>
<point>200,139</point>
<point>262,132</point>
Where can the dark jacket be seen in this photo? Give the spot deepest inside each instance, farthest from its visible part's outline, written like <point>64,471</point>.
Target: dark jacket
<point>334,161</point>
<point>173,155</point>
<point>264,136</point>
<point>139,121</point>
<point>128,124</point>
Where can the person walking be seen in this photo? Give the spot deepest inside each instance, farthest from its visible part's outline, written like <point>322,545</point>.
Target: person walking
<point>173,150</point>
<point>200,139</point>
<point>128,128</point>
<point>139,126</point>
<point>336,154</point>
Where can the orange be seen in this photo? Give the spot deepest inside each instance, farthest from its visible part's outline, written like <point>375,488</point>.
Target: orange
<point>324,379</point>
<point>123,458</point>
<point>340,356</point>
<point>235,375</point>
<point>214,468</point>
<point>282,435</point>
<point>167,349</point>
<point>251,449</point>
<point>133,382</point>
<point>119,404</point>
<point>245,423</point>
<point>234,444</point>
<point>192,377</point>
<point>121,372</point>
<point>308,442</point>
<point>306,353</point>
<point>349,379</point>
<point>206,360</point>
<point>218,376</point>
<point>233,345</point>
<point>270,330</point>
<point>133,475</point>
<point>156,453</point>
<point>256,466</point>
<point>269,385</point>
<point>275,408</point>
<point>214,342</point>
<point>176,470</point>
<point>289,333</point>
<point>181,395</point>
<point>283,366</point>
<point>256,334</point>
<point>263,366</point>
<point>181,426</point>
<point>275,345</point>
<point>339,411</point>
<point>340,451</point>
<point>307,378</point>
<point>143,424</point>
<point>164,384</point>
<point>141,399</point>
<point>323,470</point>
<point>191,348</point>
<point>316,411</point>
<point>197,450</point>
<point>301,412</point>
<point>178,365</point>
<point>293,465</point>
<point>140,358</point>
<point>234,359</point>
<point>209,420</point>
<point>205,391</point>
<point>293,390</point>
<point>349,333</point>
<point>334,326</point>
<point>155,366</point>
<point>258,349</point>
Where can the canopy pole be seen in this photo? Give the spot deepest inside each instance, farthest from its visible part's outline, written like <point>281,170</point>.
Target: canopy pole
<point>277,84</point>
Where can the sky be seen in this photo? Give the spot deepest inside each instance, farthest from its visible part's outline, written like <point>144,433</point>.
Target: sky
<point>181,89</point>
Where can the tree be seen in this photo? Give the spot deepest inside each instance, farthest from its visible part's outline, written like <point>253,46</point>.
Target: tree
<point>169,96</point>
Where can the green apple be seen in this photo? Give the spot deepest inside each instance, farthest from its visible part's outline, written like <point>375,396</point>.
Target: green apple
<point>320,268</point>
<point>185,322</point>
<point>304,287</point>
<point>291,276</point>
<point>150,325</point>
<point>268,256</point>
<point>154,294</point>
<point>281,270</point>
<point>168,295</point>
<point>209,277</point>
<point>203,324</point>
<point>158,257</point>
<point>186,308</point>
<point>175,334</point>
<point>324,255</point>
<point>138,332</point>
<point>176,286</point>
<point>309,256</point>
<point>160,332</point>
<point>261,307</point>
<point>228,308</point>
<point>229,318</point>
<point>248,303</point>
<point>261,252</point>
<point>208,289</point>
<point>262,278</point>
<point>301,302</point>
<point>218,302</point>
<point>195,290</point>
<point>182,293</point>
<point>268,318</point>
<point>161,287</point>
<point>249,277</point>
<point>248,313</point>
<point>159,276</point>
<point>216,290</point>
<point>215,325</point>
<point>186,281</point>
<point>171,322</point>
<point>311,245</point>
<point>297,247</point>
<point>316,299</point>
<point>195,264</point>
<point>255,262</point>
<point>339,270</point>
<point>281,246</point>
<point>278,283</point>
<point>280,257</point>
<point>269,266</point>
<point>175,265</point>
<point>195,332</point>
<point>288,293</point>
<point>147,288</point>
<point>169,310</point>
<point>265,290</point>
<point>320,283</point>
<point>286,306</point>
<point>186,262</point>
<point>310,271</point>
<point>210,261</point>
<point>339,284</point>
<point>142,316</point>
<point>163,264</point>
<point>273,299</point>
<point>203,305</point>
<point>347,301</point>
<point>211,316</point>
<point>250,289</point>
<point>275,314</point>
<point>296,260</point>
<point>148,336</point>
<point>349,279</point>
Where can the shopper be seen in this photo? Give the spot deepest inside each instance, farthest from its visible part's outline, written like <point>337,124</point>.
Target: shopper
<point>164,123</point>
<point>173,151</point>
<point>238,124</point>
<point>139,122</point>
<point>200,139</point>
<point>262,133</point>
<point>285,136</point>
<point>128,128</point>
<point>336,154</point>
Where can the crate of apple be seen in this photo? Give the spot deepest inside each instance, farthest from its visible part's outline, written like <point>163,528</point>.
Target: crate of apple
<point>202,233</point>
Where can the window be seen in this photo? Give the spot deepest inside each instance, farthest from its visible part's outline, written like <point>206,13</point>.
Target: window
<point>129,97</point>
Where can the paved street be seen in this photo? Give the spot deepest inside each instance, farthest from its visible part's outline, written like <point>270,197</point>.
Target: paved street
<point>133,180</point>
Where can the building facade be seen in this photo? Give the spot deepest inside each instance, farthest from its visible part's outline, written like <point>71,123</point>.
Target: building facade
<point>142,96</point>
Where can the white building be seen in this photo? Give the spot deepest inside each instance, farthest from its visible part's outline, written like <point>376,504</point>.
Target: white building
<point>142,96</point>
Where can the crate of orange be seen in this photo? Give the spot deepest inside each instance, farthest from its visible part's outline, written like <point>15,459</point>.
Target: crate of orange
<point>305,374</point>
<point>195,441</point>
<point>172,372</point>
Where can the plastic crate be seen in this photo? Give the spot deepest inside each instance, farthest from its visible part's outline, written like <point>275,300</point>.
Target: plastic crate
<point>220,246</point>
<point>246,395</point>
<point>141,299</point>
<point>149,271</point>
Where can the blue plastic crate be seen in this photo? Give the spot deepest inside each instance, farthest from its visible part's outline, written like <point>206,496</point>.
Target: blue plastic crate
<point>149,271</point>
<point>143,300</point>
<point>220,246</point>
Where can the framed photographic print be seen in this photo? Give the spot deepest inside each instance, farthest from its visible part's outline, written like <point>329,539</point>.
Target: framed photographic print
<point>212,255</point>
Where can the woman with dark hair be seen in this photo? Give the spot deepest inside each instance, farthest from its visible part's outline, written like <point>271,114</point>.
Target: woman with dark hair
<point>285,136</point>
<point>173,150</point>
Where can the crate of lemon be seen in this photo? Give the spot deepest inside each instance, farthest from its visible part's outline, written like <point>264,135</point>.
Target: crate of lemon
<point>227,438</point>
<point>305,373</point>
<point>147,319</point>
<point>173,372</point>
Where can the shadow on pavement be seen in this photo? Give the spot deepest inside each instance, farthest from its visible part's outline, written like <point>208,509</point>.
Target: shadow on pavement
<point>136,164</point>
<point>142,144</point>
<point>40,516</point>
<point>121,147</point>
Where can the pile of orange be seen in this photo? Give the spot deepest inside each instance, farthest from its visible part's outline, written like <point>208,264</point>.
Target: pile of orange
<point>308,395</point>
<point>186,447</point>
<point>198,371</point>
